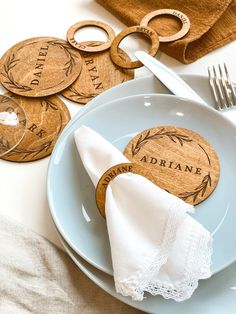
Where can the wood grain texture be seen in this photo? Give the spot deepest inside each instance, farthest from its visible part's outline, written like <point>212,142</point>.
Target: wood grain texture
<point>40,67</point>
<point>46,118</point>
<point>118,59</point>
<point>98,74</point>
<point>178,14</point>
<point>182,161</point>
<point>88,47</point>
<point>111,174</point>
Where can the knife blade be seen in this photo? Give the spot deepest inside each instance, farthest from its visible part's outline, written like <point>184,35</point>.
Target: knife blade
<point>168,77</point>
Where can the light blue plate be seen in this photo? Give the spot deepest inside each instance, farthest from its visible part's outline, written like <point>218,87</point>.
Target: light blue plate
<point>71,193</point>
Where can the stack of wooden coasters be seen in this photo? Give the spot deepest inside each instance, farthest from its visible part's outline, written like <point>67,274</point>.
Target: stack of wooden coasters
<point>32,71</point>
<point>36,70</point>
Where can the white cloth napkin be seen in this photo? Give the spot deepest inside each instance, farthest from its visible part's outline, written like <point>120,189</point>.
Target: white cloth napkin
<point>156,246</point>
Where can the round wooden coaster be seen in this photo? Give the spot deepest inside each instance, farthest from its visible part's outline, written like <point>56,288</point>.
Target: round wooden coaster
<point>128,64</point>
<point>182,161</point>
<point>180,15</point>
<point>98,74</point>
<point>39,67</point>
<point>111,174</point>
<point>90,46</point>
<point>46,118</point>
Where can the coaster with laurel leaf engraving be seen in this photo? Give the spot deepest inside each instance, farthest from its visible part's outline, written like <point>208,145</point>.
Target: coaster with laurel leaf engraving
<point>182,162</point>
<point>46,118</point>
<point>39,67</point>
<point>98,74</point>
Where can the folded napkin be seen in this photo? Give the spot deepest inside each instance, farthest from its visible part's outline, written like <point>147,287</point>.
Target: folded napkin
<point>213,23</point>
<point>155,245</point>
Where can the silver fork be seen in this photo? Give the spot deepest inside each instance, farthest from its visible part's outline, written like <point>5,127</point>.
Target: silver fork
<point>222,87</point>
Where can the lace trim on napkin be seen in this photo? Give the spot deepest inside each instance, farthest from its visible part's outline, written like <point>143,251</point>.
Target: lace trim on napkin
<point>197,267</point>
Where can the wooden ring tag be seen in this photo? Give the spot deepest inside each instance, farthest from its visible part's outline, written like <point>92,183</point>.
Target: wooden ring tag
<point>119,60</point>
<point>181,161</point>
<point>180,15</point>
<point>113,172</point>
<point>88,47</point>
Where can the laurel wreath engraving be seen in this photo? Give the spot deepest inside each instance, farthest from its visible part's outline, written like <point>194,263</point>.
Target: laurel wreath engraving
<point>4,99</point>
<point>12,62</point>
<point>69,65</point>
<point>199,190</point>
<point>5,146</point>
<point>60,129</point>
<point>8,66</point>
<point>80,95</point>
<point>48,104</point>
<point>177,138</point>
<point>172,135</point>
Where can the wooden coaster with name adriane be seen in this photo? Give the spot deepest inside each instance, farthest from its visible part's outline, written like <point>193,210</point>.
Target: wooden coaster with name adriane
<point>39,67</point>
<point>98,74</point>
<point>46,117</point>
<point>182,162</point>
<point>111,174</point>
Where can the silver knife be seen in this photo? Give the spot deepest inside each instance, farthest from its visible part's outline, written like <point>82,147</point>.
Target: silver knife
<point>168,77</point>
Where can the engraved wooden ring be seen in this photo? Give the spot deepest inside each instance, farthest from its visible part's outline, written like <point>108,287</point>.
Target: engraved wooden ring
<point>119,60</point>
<point>180,15</point>
<point>82,46</point>
<point>111,174</point>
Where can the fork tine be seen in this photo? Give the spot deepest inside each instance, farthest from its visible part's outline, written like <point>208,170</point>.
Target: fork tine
<point>230,85</point>
<point>225,90</point>
<point>219,89</point>
<point>222,87</point>
<point>213,88</point>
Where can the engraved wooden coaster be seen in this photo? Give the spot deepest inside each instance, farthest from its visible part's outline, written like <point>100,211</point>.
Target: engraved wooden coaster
<point>98,74</point>
<point>182,161</point>
<point>128,64</point>
<point>46,118</point>
<point>111,174</point>
<point>40,66</point>
<point>180,15</point>
<point>90,46</point>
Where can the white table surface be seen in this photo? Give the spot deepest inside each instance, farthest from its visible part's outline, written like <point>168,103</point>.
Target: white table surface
<point>23,185</point>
